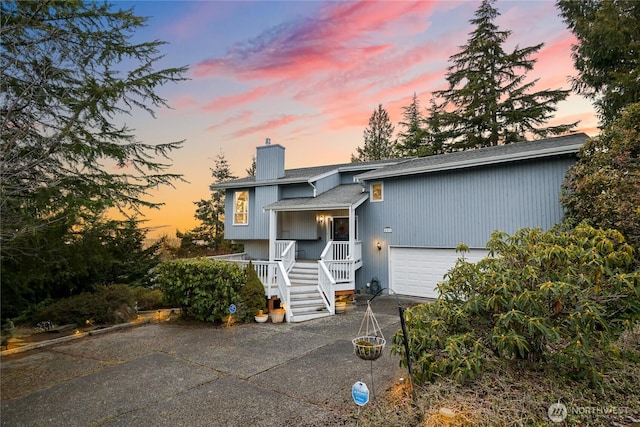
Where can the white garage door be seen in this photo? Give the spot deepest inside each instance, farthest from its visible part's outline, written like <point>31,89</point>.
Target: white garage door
<point>417,271</point>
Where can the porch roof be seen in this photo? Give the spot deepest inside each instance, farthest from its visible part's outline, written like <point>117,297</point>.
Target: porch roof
<point>340,197</point>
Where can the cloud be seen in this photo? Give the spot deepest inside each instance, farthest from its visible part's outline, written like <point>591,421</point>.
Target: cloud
<point>336,38</point>
<point>270,125</point>
<point>336,61</point>
<point>230,101</point>
<point>555,56</point>
<point>242,117</point>
<point>183,101</point>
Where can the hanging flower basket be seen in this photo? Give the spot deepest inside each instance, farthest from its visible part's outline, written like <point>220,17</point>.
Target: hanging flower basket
<point>369,342</point>
<point>368,347</point>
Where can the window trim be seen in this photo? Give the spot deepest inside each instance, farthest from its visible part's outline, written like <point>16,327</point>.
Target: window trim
<point>236,194</point>
<point>381,199</point>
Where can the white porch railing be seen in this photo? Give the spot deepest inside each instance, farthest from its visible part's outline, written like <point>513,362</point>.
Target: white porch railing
<point>238,256</point>
<point>338,261</point>
<point>341,271</point>
<point>286,252</point>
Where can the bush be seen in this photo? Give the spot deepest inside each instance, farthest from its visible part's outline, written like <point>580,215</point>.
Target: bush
<point>252,296</point>
<point>148,299</point>
<point>603,187</point>
<point>556,297</point>
<point>97,307</point>
<point>203,288</point>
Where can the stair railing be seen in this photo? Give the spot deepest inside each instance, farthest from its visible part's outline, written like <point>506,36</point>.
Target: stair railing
<point>326,287</point>
<point>286,252</point>
<point>284,289</point>
<point>340,265</point>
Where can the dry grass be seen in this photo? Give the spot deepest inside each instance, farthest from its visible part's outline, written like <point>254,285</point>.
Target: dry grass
<point>517,394</point>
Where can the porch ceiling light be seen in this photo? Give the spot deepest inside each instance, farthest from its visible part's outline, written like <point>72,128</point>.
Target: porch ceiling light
<point>379,245</point>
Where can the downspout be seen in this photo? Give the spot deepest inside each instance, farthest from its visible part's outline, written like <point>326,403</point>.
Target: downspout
<point>314,188</point>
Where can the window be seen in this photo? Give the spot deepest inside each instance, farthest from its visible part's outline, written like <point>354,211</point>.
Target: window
<point>376,192</point>
<point>241,208</point>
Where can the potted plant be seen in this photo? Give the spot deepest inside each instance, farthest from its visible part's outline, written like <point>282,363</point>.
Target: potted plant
<point>277,315</point>
<point>261,317</point>
<point>341,304</point>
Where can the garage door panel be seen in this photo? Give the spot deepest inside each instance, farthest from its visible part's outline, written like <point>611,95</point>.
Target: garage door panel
<point>417,271</point>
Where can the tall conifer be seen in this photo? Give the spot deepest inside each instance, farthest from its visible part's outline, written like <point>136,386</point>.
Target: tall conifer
<point>378,143</point>
<point>410,141</point>
<point>488,101</point>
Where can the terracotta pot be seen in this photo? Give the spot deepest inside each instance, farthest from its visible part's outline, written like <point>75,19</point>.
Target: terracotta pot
<point>277,315</point>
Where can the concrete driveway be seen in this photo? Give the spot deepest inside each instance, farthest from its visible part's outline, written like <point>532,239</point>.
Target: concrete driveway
<point>297,374</point>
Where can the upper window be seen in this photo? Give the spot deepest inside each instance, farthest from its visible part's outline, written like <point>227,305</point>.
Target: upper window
<point>241,208</point>
<point>376,192</point>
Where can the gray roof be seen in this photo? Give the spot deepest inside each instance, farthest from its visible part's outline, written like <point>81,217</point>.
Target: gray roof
<point>302,175</point>
<point>563,145</point>
<point>340,197</point>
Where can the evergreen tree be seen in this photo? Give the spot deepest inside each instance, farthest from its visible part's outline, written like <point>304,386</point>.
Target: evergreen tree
<point>603,187</point>
<point>69,71</point>
<point>252,169</point>
<point>210,212</point>
<point>607,55</point>
<point>435,138</point>
<point>488,101</point>
<point>411,139</point>
<point>378,143</point>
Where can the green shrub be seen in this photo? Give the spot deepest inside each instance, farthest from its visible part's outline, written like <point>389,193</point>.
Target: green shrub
<point>203,288</point>
<point>252,296</point>
<point>98,307</point>
<point>557,297</point>
<point>147,299</point>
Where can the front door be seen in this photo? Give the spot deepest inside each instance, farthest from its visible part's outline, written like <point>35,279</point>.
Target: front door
<point>340,229</point>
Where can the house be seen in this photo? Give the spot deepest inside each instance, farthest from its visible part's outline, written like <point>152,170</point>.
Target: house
<point>318,232</point>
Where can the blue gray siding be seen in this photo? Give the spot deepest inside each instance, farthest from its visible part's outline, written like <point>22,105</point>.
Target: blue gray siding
<point>257,249</point>
<point>258,227</point>
<point>291,191</point>
<point>327,183</point>
<point>269,162</point>
<point>264,196</point>
<point>238,232</point>
<point>444,209</point>
<point>347,177</point>
<point>297,225</point>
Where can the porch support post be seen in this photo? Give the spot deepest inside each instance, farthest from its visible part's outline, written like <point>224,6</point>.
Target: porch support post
<point>352,244</point>
<point>352,231</point>
<point>272,234</point>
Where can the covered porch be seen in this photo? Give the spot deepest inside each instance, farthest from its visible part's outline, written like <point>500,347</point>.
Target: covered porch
<point>314,252</point>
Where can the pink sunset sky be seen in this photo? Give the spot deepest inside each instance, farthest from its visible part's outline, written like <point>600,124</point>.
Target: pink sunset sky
<point>309,74</point>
